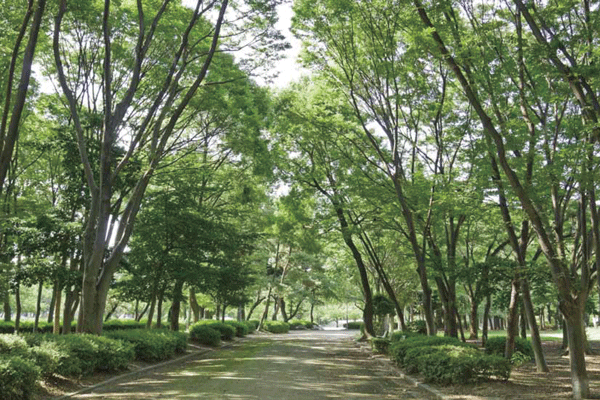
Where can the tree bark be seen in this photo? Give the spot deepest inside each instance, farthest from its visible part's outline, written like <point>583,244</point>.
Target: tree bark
<point>38,307</point>
<point>512,319</point>
<point>7,308</point>
<point>176,305</point>
<point>194,305</point>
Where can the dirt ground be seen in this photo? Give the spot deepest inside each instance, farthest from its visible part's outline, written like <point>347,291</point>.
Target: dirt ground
<point>314,365</point>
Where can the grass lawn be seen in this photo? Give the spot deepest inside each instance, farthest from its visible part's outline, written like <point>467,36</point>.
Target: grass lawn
<point>593,334</point>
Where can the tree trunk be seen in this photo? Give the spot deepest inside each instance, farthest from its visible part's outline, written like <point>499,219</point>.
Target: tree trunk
<point>58,299</point>
<point>512,319</point>
<point>194,305</point>
<point>51,306</point>
<point>140,315</point>
<point>111,311</point>
<point>38,307</point>
<point>18,306</point>
<point>474,327</point>
<point>176,305</point>
<point>159,311</point>
<point>284,313</point>
<point>312,316</point>
<point>266,311</point>
<point>254,305</point>
<point>536,342</point>
<point>151,311</point>
<point>522,322</point>
<point>577,344</point>
<point>7,309</point>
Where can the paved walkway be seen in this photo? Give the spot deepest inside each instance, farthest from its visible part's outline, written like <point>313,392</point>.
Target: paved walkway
<point>307,365</point>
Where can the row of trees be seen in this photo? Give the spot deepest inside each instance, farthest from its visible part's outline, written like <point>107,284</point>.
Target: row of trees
<point>445,153</point>
<point>455,107</point>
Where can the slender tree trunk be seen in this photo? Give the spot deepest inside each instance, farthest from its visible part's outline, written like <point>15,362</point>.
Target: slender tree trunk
<point>38,307</point>
<point>176,306</point>
<point>266,311</point>
<point>312,316</point>
<point>151,311</point>
<point>522,323</point>
<point>57,303</point>
<point>194,305</point>
<point>51,306</point>
<point>17,306</point>
<point>7,309</point>
<point>536,342</point>
<point>512,325</point>
<point>256,303</point>
<point>141,314</point>
<point>474,327</point>
<point>159,310</point>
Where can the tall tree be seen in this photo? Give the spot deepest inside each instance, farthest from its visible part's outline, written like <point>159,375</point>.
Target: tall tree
<point>141,106</point>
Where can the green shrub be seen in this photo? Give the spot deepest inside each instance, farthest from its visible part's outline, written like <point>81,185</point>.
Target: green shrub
<point>446,368</point>
<point>7,327</point>
<point>299,324</point>
<point>252,325</point>
<point>47,355</point>
<point>353,325</point>
<point>205,335</point>
<point>417,326</point>
<point>84,354</point>
<point>13,345</point>
<point>120,324</point>
<point>17,378</point>
<point>227,331</point>
<point>276,326</point>
<point>152,345</point>
<point>380,345</point>
<point>397,350</point>
<point>496,345</point>
<point>401,335</point>
<point>241,329</point>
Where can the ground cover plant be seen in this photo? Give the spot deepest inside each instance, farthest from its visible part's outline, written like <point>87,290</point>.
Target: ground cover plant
<point>152,345</point>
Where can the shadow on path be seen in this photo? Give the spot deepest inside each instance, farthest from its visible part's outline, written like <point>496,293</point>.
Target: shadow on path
<point>297,366</point>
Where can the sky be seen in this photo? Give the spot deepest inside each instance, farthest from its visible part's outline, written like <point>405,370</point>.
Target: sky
<point>287,68</point>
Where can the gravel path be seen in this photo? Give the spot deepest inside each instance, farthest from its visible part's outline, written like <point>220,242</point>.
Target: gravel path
<point>297,366</point>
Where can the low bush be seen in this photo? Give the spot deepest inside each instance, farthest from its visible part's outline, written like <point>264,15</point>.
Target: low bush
<point>397,349</point>
<point>152,345</point>
<point>121,324</point>
<point>401,335</point>
<point>252,325</point>
<point>205,335</point>
<point>299,324</point>
<point>276,326</point>
<point>7,327</point>
<point>84,354</point>
<point>380,345</point>
<point>445,367</point>
<point>496,346</point>
<point>417,326</point>
<point>17,377</point>
<point>227,331</point>
<point>13,345</point>
<point>47,355</point>
<point>241,329</point>
<point>353,325</point>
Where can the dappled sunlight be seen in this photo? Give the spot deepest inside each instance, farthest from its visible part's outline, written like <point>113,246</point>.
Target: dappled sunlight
<point>299,366</point>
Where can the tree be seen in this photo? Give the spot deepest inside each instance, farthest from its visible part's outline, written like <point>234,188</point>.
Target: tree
<point>141,107</point>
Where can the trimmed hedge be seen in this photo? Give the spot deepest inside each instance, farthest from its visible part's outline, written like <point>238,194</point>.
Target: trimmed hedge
<point>252,325</point>
<point>447,360</point>
<point>84,354</point>
<point>205,335</point>
<point>299,324</point>
<point>227,331</point>
<point>276,326</point>
<point>241,329</point>
<point>496,345</point>
<point>417,326</point>
<point>353,325</point>
<point>152,345</point>
<point>380,345</point>
<point>401,335</point>
<point>120,324</point>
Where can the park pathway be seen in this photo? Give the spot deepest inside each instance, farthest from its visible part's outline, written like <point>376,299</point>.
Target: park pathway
<point>308,365</point>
